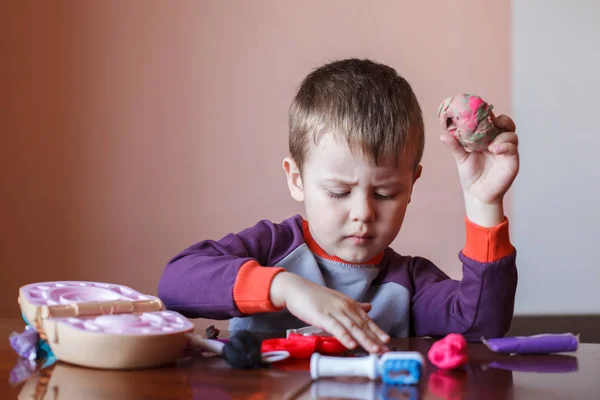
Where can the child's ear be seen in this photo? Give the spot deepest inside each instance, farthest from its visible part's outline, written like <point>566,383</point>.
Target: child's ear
<point>416,176</point>
<point>294,179</point>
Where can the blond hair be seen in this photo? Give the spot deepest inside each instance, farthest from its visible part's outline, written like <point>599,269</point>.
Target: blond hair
<point>367,103</point>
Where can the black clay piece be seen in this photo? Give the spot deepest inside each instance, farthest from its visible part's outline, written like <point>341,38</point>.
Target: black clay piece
<point>243,351</point>
<point>212,332</point>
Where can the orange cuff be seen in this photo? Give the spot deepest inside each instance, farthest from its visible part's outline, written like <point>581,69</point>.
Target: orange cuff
<point>252,287</point>
<point>487,244</point>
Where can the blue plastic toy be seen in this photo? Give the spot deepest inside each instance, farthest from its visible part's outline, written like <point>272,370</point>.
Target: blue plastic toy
<point>393,368</point>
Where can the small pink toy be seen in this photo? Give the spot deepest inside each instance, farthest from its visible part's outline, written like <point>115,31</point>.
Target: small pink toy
<point>470,120</point>
<point>449,352</point>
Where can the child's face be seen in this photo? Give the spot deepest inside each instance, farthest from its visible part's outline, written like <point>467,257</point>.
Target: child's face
<point>354,210</point>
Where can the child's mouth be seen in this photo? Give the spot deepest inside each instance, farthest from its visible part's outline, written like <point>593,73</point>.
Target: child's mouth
<point>360,239</point>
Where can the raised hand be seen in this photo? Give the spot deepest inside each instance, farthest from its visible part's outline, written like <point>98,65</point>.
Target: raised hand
<point>487,175</point>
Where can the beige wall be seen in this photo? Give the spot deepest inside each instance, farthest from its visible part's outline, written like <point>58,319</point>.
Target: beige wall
<point>556,213</point>
<point>133,129</point>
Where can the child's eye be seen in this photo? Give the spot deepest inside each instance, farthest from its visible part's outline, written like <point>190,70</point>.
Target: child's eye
<point>336,195</point>
<point>380,196</point>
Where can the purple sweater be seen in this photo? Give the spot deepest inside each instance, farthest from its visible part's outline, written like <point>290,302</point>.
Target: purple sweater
<point>410,296</point>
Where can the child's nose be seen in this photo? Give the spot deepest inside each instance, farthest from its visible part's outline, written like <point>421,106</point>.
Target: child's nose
<point>363,210</point>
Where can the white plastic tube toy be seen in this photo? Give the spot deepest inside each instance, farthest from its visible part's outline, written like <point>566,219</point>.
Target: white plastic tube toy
<point>398,367</point>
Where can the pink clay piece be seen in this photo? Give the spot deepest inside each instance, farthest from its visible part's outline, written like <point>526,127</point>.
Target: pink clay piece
<point>449,352</point>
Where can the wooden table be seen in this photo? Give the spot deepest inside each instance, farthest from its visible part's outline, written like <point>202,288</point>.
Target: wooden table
<point>211,378</point>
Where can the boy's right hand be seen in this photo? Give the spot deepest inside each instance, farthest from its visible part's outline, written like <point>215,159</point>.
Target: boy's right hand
<point>336,313</point>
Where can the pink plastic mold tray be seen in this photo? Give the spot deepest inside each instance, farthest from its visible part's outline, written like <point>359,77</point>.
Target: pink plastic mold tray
<point>57,293</point>
<point>82,295</point>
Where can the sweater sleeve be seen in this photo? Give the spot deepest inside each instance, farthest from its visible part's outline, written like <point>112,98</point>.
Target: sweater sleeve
<point>230,277</point>
<point>482,303</point>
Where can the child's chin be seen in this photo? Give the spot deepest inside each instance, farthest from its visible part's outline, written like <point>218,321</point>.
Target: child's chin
<point>357,258</point>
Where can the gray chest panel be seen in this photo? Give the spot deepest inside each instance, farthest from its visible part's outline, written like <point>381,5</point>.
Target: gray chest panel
<point>390,301</point>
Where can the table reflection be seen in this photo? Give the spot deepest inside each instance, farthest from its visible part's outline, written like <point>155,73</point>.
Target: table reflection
<point>63,381</point>
<point>536,363</point>
<point>486,375</point>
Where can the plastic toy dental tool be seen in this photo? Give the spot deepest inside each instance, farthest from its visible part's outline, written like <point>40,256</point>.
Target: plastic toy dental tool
<point>394,367</point>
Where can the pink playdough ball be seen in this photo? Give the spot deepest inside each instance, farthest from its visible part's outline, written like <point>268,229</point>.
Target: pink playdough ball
<point>449,352</point>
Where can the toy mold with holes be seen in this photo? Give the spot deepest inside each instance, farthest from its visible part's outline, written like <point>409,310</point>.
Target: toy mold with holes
<point>469,119</point>
<point>104,325</point>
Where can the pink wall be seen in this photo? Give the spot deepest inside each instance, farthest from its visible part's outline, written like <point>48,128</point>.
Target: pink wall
<point>133,130</point>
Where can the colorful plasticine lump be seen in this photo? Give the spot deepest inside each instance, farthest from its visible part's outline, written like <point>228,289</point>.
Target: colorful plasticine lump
<point>470,120</point>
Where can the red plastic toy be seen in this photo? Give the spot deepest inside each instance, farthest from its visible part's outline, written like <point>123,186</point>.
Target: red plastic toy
<point>449,352</point>
<point>302,346</point>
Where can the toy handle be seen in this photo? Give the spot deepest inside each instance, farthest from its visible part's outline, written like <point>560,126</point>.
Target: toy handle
<point>329,366</point>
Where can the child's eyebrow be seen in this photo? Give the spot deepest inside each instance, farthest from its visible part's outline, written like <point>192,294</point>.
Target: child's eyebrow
<point>343,181</point>
<point>354,182</point>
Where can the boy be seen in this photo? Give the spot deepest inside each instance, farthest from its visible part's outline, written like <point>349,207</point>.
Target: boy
<point>356,140</point>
